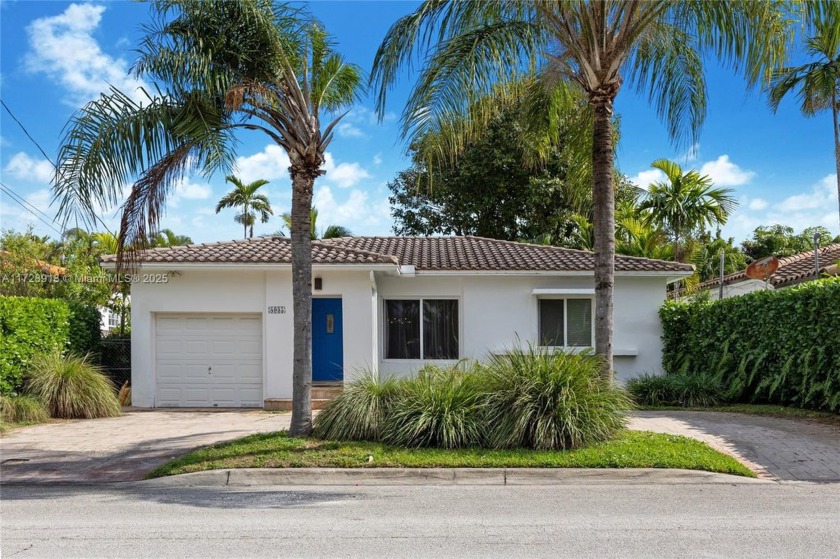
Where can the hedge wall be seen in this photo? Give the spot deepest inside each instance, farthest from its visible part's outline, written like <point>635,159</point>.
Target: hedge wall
<point>780,347</point>
<point>30,325</point>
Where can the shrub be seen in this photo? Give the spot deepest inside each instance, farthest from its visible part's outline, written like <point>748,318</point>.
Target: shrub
<point>652,390</point>
<point>359,412</point>
<point>124,395</point>
<point>681,389</point>
<point>28,326</point>
<point>71,387</point>
<point>776,346</point>
<point>437,408</point>
<point>22,409</point>
<point>551,401</point>
<point>84,328</point>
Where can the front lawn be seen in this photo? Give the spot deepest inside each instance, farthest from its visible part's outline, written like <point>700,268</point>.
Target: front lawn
<point>785,412</point>
<point>631,449</point>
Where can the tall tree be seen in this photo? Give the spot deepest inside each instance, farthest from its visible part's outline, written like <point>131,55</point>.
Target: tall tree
<point>685,203</point>
<point>468,47</point>
<point>780,240</point>
<point>251,202</point>
<point>817,83</point>
<point>331,232</point>
<point>218,67</point>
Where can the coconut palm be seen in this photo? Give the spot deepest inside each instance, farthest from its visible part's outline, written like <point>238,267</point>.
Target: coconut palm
<point>470,48</point>
<point>684,203</point>
<point>217,67</point>
<point>817,83</point>
<point>252,202</point>
<point>331,232</point>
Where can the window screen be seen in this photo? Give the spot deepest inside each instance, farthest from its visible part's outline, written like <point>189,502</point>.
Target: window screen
<point>440,329</point>
<point>402,329</point>
<point>579,322</point>
<point>551,322</point>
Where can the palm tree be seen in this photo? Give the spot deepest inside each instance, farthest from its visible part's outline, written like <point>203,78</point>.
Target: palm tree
<point>817,83</point>
<point>217,67</point>
<point>685,203</point>
<point>168,238</point>
<point>471,48</point>
<point>331,232</point>
<point>246,195</point>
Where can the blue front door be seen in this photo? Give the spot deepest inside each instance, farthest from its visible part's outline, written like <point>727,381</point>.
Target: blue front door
<point>327,340</point>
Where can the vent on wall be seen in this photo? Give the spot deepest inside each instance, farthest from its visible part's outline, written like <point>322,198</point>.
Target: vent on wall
<point>319,284</point>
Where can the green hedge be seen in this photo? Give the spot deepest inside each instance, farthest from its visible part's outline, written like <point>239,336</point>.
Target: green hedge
<point>29,325</point>
<point>780,347</point>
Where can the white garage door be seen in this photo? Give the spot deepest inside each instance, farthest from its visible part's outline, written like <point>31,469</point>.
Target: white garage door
<point>208,360</point>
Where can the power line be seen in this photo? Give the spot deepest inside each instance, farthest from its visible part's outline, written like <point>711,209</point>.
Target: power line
<point>22,203</point>
<point>16,195</point>
<point>44,153</point>
<point>28,135</point>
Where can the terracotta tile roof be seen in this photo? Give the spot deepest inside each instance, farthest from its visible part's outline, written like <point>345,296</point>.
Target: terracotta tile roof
<point>424,253</point>
<point>263,250</point>
<point>792,269</point>
<point>478,253</point>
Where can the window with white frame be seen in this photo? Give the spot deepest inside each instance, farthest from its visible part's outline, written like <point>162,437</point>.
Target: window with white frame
<point>113,319</point>
<point>565,322</point>
<point>421,329</point>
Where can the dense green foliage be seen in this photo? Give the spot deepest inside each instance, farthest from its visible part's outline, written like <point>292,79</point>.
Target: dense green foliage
<point>542,400</point>
<point>359,412</point>
<point>629,449</point>
<point>778,347</point>
<point>71,387</point>
<point>29,326</point>
<point>84,328</point>
<point>678,389</point>
<point>22,409</point>
<point>781,241</point>
<point>526,399</point>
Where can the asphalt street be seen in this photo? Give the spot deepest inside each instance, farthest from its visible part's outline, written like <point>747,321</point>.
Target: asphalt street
<point>132,520</point>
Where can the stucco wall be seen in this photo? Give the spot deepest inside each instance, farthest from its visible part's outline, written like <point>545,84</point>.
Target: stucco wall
<point>496,311</point>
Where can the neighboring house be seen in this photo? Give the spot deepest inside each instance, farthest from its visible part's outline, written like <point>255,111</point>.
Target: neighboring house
<point>212,323</point>
<point>792,270</point>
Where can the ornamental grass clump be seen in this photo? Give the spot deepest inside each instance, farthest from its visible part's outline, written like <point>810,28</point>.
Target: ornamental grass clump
<point>359,412</point>
<point>686,390</point>
<point>71,387</point>
<point>551,401</point>
<point>652,390</point>
<point>438,407</point>
<point>22,409</point>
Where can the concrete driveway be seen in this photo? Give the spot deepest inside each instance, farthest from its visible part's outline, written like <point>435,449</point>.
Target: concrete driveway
<point>121,448</point>
<point>775,448</point>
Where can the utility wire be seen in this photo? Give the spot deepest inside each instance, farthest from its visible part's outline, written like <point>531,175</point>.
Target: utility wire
<point>55,167</point>
<point>22,203</point>
<point>16,195</point>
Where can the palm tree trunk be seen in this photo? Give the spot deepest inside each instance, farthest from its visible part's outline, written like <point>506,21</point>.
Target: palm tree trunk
<point>604,224</point>
<point>302,184</point>
<point>835,108</point>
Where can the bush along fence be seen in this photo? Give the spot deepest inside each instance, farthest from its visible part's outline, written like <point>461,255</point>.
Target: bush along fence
<point>30,326</point>
<point>778,347</point>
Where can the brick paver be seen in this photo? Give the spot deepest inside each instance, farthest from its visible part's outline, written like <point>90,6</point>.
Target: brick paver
<point>786,449</point>
<point>121,448</point>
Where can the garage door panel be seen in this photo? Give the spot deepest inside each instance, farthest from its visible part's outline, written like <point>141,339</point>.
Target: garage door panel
<point>186,346</point>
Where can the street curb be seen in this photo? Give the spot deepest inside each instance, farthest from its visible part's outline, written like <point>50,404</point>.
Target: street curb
<point>257,477</point>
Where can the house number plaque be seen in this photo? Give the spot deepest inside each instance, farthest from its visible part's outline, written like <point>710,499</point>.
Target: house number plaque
<point>277,309</point>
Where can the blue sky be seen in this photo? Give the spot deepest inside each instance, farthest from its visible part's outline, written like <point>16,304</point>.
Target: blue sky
<point>56,56</point>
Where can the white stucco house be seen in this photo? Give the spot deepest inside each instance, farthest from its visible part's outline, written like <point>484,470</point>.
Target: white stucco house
<point>212,323</point>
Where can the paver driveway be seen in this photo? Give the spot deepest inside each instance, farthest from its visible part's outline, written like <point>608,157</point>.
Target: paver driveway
<point>786,449</point>
<point>121,448</point>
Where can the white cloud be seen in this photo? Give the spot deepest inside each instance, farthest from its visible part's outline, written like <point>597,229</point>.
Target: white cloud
<point>344,175</point>
<point>725,173</point>
<point>758,204</point>
<point>192,190</point>
<point>63,48</point>
<point>27,168</point>
<point>270,164</point>
<point>347,130</point>
<point>644,179</point>
<point>690,154</point>
<point>357,212</point>
<point>377,160</point>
